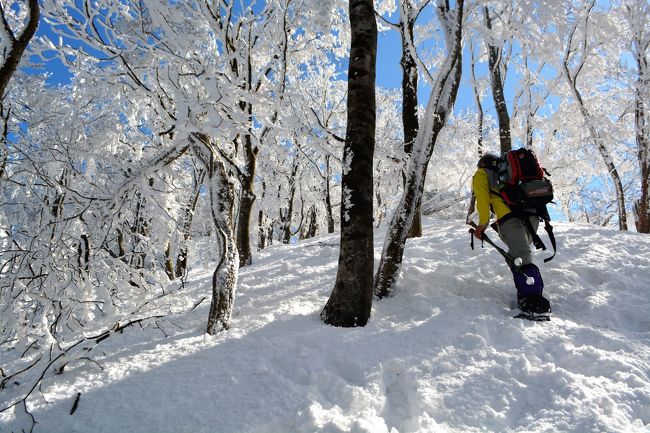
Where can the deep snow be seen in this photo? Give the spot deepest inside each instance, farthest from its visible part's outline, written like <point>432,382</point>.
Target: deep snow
<point>442,355</point>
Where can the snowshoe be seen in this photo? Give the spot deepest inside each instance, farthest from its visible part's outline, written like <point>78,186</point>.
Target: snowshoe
<point>534,307</point>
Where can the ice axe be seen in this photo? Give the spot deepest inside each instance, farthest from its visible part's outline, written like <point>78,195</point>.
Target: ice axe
<point>510,260</point>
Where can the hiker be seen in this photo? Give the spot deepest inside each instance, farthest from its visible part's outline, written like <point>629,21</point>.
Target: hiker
<point>516,228</point>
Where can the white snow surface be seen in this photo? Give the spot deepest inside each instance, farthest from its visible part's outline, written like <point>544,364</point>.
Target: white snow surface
<point>442,355</point>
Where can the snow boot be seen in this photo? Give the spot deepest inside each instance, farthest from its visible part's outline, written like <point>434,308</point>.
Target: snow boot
<point>530,285</point>
<point>535,308</point>
<point>535,304</point>
<point>528,280</point>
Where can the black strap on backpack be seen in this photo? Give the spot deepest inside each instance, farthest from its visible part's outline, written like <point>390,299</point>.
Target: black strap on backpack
<point>537,241</point>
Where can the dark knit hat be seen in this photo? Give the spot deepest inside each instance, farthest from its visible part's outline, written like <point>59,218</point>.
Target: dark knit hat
<point>487,160</point>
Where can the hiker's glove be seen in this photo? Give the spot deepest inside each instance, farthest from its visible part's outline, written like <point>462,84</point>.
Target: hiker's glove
<point>478,231</point>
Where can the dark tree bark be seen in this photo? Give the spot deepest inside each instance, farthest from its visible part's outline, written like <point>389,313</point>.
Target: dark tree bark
<point>329,214</point>
<point>443,96</point>
<point>15,49</point>
<point>312,226</point>
<point>17,44</point>
<point>410,122</point>
<point>261,219</point>
<point>642,126</point>
<point>410,98</point>
<point>83,253</point>
<point>247,200</point>
<point>494,61</point>
<point>4,151</point>
<point>287,216</point>
<point>351,299</point>
<point>250,151</point>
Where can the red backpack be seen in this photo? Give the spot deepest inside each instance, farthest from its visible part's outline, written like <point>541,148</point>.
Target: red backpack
<point>521,180</point>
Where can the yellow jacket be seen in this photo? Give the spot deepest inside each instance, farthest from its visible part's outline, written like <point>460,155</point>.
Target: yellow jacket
<point>486,200</point>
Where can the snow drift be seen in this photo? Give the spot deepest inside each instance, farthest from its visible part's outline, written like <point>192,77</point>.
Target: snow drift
<point>442,355</point>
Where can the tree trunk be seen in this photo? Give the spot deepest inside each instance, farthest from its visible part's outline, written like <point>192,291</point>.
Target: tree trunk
<point>288,217</point>
<point>4,149</point>
<point>443,96</point>
<point>261,231</point>
<point>530,113</point>
<point>121,245</point>
<point>221,189</point>
<point>642,126</point>
<point>247,201</point>
<point>224,278</point>
<point>169,261</point>
<point>351,300</point>
<point>609,163</point>
<point>312,226</point>
<point>188,217</point>
<point>479,125</point>
<point>17,45</point>
<point>409,97</point>
<point>83,253</point>
<point>494,61</point>
<point>329,214</point>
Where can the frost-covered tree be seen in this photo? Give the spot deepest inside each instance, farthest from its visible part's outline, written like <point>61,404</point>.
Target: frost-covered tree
<point>579,47</point>
<point>442,98</point>
<point>305,119</point>
<point>163,61</point>
<point>498,65</point>
<point>408,16</point>
<point>322,126</point>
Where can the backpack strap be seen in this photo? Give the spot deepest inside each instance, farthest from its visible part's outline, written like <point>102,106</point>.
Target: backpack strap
<point>549,230</point>
<point>542,212</point>
<point>537,241</point>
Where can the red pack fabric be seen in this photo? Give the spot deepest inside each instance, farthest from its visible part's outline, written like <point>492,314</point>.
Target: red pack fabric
<point>523,166</point>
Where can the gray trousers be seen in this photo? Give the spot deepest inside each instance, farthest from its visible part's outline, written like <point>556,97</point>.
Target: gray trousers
<point>514,234</point>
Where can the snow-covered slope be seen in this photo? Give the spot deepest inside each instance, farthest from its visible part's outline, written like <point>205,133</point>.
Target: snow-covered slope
<point>442,355</point>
